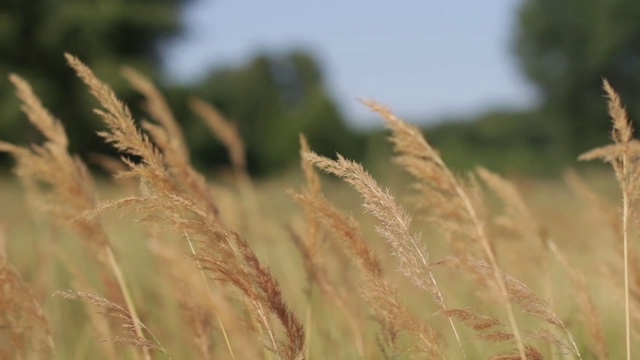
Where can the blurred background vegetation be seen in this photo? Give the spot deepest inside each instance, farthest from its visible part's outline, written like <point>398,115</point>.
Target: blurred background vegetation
<point>564,49</point>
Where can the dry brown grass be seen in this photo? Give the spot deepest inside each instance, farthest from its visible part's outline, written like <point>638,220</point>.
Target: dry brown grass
<point>623,156</point>
<point>25,331</point>
<point>207,288</point>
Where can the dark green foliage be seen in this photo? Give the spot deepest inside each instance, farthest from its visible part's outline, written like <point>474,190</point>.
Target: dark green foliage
<point>566,47</point>
<point>505,141</point>
<point>273,98</point>
<point>34,35</point>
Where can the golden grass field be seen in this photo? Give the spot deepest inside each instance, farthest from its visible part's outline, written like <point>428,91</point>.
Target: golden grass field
<point>414,262</point>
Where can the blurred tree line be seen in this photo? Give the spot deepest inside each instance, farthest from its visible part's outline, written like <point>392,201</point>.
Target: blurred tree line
<point>564,48</point>
<point>34,35</point>
<point>272,98</point>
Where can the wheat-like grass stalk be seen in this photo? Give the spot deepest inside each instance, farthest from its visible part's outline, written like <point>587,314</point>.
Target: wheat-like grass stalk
<point>600,208</point>
<point>420,159</point>
<point>156,105</point>
<point>622,155</point>
<point>390,312</point>
<point>309,245</point>
<point>71,188</point>
<point>522,220</point>
<point>394,220</point>
<point>589,314</point>
<point>81,283</point>
<point>168,136</point>
<point>318,210</point>
<point>198,303</point>
<point>117,312</point>
<point>530,352</point>
<point>24,329</point>
<point>173,196</point>
<point>224,253</point>
<point>261,289</point>
<point>227,132</point>
<point>394,223</point>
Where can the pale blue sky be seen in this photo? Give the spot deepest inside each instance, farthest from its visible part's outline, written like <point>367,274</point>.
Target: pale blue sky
<point>425,59</point>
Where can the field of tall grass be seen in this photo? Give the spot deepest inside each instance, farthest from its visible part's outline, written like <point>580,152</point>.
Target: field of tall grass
<point>326,262</point>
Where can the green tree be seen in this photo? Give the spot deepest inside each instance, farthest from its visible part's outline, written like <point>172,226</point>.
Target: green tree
<point>105,34</point>
<point>508,141</point>
<point>273,98</point>
<point>566,47</point>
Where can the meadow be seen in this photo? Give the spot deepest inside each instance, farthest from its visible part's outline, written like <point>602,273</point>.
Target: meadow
<point>323,262</point>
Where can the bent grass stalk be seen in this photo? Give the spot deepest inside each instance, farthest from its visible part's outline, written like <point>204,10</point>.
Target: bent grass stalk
<point>164,194</point>
<point>128,300</point>
<point>622,155</point>
<point>170,136</point>
<point>70,184</point>
<point>415,152</point>
<point>206,284</point>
